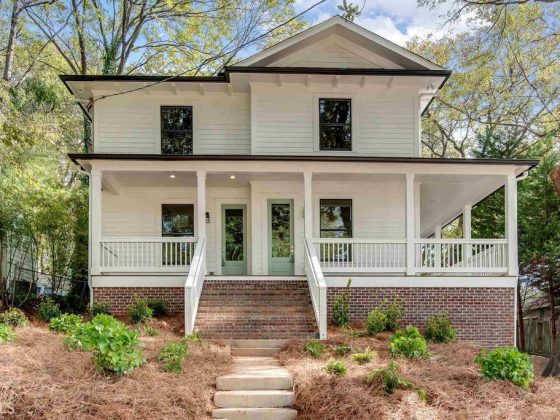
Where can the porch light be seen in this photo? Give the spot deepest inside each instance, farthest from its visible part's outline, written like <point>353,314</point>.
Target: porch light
<point>232,177</point>
<point>172,176</point>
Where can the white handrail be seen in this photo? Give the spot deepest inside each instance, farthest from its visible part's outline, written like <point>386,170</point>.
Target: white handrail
<point>317,288</point>
<point>194,284</point>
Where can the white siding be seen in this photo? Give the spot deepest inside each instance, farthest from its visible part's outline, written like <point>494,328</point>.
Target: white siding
<point>334,56</point>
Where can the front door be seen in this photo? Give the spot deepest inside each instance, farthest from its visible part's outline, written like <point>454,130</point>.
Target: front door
<point>280,237</point>
<point>234,240</point>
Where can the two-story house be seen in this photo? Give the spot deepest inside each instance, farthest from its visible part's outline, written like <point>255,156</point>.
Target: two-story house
<point>248,199</point>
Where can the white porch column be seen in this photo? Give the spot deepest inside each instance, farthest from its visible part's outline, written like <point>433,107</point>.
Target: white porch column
<point>95,182</point>
<point>511,223</point>
<point>308,204</point>
<point>201,203</point>
<point>437,234</point>
<point>410,228</point>
<point>467,232</point>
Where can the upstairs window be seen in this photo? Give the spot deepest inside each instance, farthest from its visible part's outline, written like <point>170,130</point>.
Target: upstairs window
<point>335,124</point>
<point>176,130</point>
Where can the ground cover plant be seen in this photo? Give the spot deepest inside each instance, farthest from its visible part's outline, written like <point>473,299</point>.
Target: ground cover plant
<point>336,367</point>
<point>341,308</point>
<point>65,323</point>
<point>389,380</point>
<point>364,357</point>
<point>99,308</point>
<point>439,329</point>
<point>159,307</point>
<point>172,356</point>
<point>48,309</point>
<point>507,364</point>
<point>139,310</point>
<point>314,348</point>
<point>13,317</point>
<point>409,343</point>
<point>6,333</point>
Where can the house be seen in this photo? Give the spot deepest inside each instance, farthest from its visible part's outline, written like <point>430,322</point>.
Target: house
<point>248,199</point>
<point>18,267</point>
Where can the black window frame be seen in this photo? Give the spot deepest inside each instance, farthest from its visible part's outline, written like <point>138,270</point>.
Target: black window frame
<point>177,235</point>
<point>349,125</point>
<point>162,108</point>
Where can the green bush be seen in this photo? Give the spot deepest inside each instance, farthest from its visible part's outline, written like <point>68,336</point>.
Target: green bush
<point>6,333</point>
<point>389,380</point>
<point>159,306</point>
<point>48,309</point>
<point>335,367</point>
<point>439,329</point>
<point>341,349</point>
<point>99,308</point>
<point>364,357</point>
<point>506,364</point>
<point>65,323</point>
<point>150,331</point>
<point>114,347</point>
<point>13,317</point>
<point>195,337</point>
<point>376,322</point>
<point>139,311</point>
<point>172,355</point>
<point>393,312</point>
<point>341,308</point>
<point>409,343</point>
<point>315,348</point>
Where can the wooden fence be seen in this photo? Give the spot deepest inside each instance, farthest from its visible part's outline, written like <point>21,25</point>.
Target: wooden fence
<point>538,338</point>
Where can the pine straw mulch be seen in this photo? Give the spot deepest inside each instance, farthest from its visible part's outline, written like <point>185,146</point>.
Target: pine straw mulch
<point>41,378</point>
<point>450,377</point>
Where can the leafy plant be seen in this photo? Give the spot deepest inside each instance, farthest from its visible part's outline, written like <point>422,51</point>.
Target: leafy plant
<point>13,317</point>
<point>172,355</point>
<point>409,343</point>
<point>315,348</point>
<point>376,322</point>
<point>114,347</point>
<point>100,308</point>
<point>195,337</point>
<point>6,333</point>
<point>341,349</point>
<point>506,364</point>
<point>393,312</point>
<point>65,323</point>
<point>364,357</point>
<point>439,329</point>
<point>389,380</point>
<point>159,306</point>
<point>336,367</point>
<point>151,331</point>
<point>47,310</point>
<point>341,308</point>
<point>139,311</point>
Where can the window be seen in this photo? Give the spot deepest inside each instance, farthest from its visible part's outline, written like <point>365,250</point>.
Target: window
<point>177,220</point>
<point>176,130</point>
<point>335,124</point>
<point>336,218</point>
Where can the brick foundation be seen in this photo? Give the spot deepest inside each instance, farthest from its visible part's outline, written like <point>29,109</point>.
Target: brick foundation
<point>485,315</point>
<point>120,297</point>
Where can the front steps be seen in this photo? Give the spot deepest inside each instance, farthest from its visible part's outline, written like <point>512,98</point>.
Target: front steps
<point>259,388</point>
<point>256,309</point>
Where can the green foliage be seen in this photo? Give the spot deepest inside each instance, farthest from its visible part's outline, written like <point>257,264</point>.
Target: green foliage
<point>409,343</point>
<point>13,317</point>
<point>341,349</point>
<point>172,356</point>
<point>393,312</point>
<point>6,333</point>
<point>139,311</point>
<point>65,323</point>
<point>314,348</point>
<point>159,306</point>
<point>98,308</point>
<point>48,309</point>
<point>389,380</point>
<point>114,347</point>
<point>341,308</point>
<point>336,367</point>
<point>376,322</point>
<point>195,337</point>
<point>506,364</point>
<point>439,329</point>
<point>364,357</point>
<point>150,331</point>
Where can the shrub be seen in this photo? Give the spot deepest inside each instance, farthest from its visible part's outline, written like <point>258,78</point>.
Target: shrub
<point>341,349</point>
<point>151,331</point>
<point>195,337</point>
<point>47,310</point>
<point>336,367</point>
<point>389,380</point>
<point>139,311</point>
<point>376,322</point>
<point>315,348</point>
<point>409,343</point>
<point>341,308</point>
<point>99,308</point>
<point>365,357</point>
<point>65,323</point>
<point>506,364</point>
<point>114,347</point>
<point>172,355</point>
<point>159,306</point>
<point>393,313</point>
<point>6,333</point>
<point>13,317</point>
<point>439,329</point>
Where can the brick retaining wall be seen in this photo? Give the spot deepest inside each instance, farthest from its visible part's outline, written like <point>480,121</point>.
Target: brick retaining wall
<point>120,297</point>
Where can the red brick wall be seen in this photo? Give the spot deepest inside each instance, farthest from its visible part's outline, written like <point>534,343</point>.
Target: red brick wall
<point>485,315</point>
<point>120,297</point>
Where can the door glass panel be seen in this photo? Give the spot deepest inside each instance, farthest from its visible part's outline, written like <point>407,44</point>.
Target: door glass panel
<point>233,220</point>
<point>280,230</point>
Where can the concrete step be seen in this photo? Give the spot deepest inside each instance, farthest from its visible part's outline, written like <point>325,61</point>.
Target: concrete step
<point>253,399</point>
<point>269,379</point>
<point>265,351</point>
<point>251,344</point>
<point>254,413</point>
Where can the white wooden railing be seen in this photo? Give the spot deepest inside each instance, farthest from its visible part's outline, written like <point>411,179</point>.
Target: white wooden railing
<point>146,254</point>
<point>194,284</point>
<point>461,256</point>
<point>317,288</point>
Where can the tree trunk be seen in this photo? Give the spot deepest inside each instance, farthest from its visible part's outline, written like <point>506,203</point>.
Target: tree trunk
<point>9,59</point>
<point>521,330</point>
<point>553,366</point>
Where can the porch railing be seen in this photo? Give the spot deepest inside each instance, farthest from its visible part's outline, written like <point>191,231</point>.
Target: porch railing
<point>146,254</point>
<point>193,285</point>
<point>317,288</point>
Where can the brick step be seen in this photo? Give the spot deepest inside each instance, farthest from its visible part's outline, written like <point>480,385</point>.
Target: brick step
<point>302,309</point>
<point>269,334</point>
<point>259,294</point>
<point>254,413</point>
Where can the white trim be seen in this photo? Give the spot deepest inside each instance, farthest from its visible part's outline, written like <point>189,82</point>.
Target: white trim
<point>139,280</point>
<point>255,278</point>
<point>421,281</point>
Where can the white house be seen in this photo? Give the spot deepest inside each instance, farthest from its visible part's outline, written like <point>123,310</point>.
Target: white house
<point>249,198</point>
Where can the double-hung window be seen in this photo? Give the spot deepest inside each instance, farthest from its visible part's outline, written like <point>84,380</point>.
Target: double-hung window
<point>335,124</point>
<point>176,130</point>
